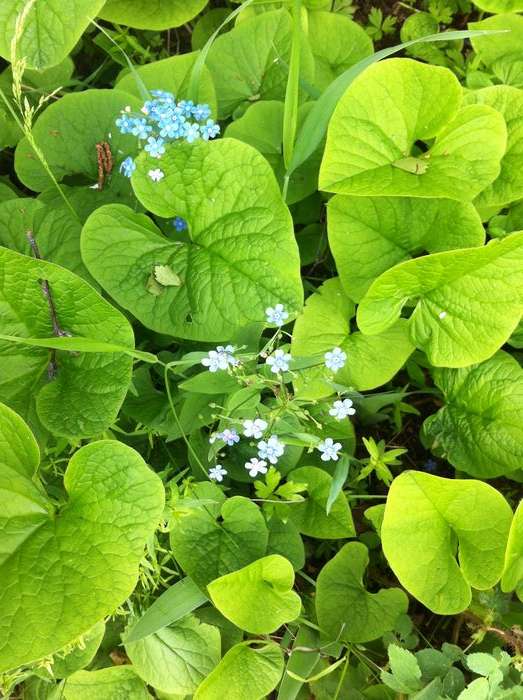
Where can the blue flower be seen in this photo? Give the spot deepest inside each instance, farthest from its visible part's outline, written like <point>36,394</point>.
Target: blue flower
<point>201,112</point>
<point>276,315</point>
<point>172,127</point>
<point>335,359</point>
<point>140,127</point>
<point>163,94</point>
<point>187,106</point>
<point>430,466</point>
<point>279,361</point>
<point>125,124</point>
<point>209,130</point>
<point>229,436</point>
<point>342,409</point>
<point>155,147</point>
<point>329,449</point>
<point>128,167</point>
<point>270,449</point>
<point>217,473</point>
<point>192,132</point>
<point>179,223</point>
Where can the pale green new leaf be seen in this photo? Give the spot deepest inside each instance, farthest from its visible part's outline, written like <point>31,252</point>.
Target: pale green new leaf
<point>250,62</point>
<point>345,609</point>
<point>176,658</point>
<point>496,6</point>
<point>325,324</point>
<point>371,141</point>
<point>65,664</point>
<point>151,14</point>
<point>84,396</point>
<point>337,43</point>
<point>48,31</point>
<point>368,235</point>
<point>310,516</point>
<point>491,48</point>
<point>241,256</point>
<point>508,186</point>
<point>466,303</point>
<point>63,570</point>
<point>112,683</point>
<point>258,598</point>
<point>67,133</point>
<point>428,520</point>
<point>172,74</point>
<point>209,543</point>
<point>246,671</point>
<point>513,572</point>
<point>479,429</point>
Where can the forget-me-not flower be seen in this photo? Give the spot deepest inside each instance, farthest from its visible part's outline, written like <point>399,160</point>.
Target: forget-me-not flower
<point>342,409</point>
<point>229,436</point>
<point>271,449</point>
<point>192,132</point>
<point>155,147</point>
<point>217,473</point>
<point>128,166</point>
<point>254,428</point>
<point>329,449</point>
<point>256,466</point>
<point>179,223</point>
<point>141,128</point>
<point>276,315</point>
<point>209,130</point>
<point>220,358</point>
<point>279,361</point>
<point>335,359</point>
<point>201,112</point>
<point>156,175</point>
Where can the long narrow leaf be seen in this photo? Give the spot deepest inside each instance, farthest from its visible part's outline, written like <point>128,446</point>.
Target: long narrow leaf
<point>290,113</point>
<point>301,663</point>
<point>176,602</point>
<point>317,120</point>
<point>338,480</point>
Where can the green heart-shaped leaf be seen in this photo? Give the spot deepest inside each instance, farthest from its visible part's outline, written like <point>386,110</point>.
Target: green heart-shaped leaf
<point>480,428</point>
<point>229,270</point>
<point>500,5</point>
<point>244,672</point>
<point>210,542</point>
<point>493,48</point>
<point>84,396</point>
<point>310,516</point>
<point>48,33</point>
<point>176,658</point>
<point>369,235</point>
<point>141,14</point>
<point>513,572</point>
<point>508,186</point>
<point>467,302</point>
<point>250,62</point>
<point>428,520</point>
<point>63,570</point>
<point>345,609</point>
<point>67,134</point>
<point>371,142</point>
<point>258,598</point>
<point>112,683</point>
<point>325,324</point>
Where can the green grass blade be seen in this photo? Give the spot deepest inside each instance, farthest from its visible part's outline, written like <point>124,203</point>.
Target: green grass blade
<point>174,603</point>
<point>315,125</point>
<point>290,113</point>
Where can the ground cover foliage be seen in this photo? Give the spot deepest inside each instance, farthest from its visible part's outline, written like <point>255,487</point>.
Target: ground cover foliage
<point>261,393</point>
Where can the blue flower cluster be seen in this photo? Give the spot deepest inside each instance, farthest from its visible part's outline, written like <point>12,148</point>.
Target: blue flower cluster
<point>165,120</point>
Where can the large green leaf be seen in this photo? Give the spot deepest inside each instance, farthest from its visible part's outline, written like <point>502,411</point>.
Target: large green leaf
<point>172,74</point>
<point>508,186</point>
<point>67,663</point>
<point>258,598</point>
<point>177,658</point>
<point>87,389</point>
<point>151,14</point>
<point>229,270</point>
<point>325,324</point>
<point>513,572</point>
<point>500,5</point>
<point>246,671</point>
<point>208,543</point>
<point>49,31</point>
<point>507,44</point>
<point>467,302</point>
<point>371,142</point>
<point>337,43</point>
<point>310,516</point>
<point>345,609</point>
<point>368,235</point>
<point>67,134</point>
<point>480,428</point>
<point>63,569</point>
<point>262,127</point>
<point>55,229</point>
<point>428,520</point>
<point>251,61</point>
<point>112,683</point>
